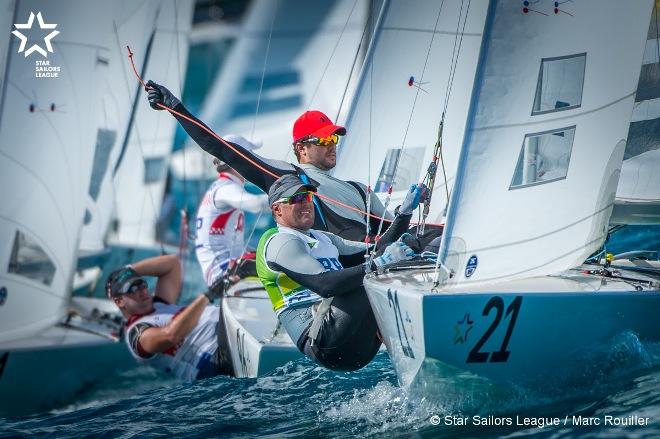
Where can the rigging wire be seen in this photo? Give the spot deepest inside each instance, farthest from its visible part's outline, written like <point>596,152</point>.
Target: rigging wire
<point>129,128</point>
<point>405,135</point>
<point>371,101</point>
<point>412,110</point>
<point>332,54</point>
<point>263,75</point>
<point>454,64</point>
<point>438,150</point>
<point>180,83</point>
<point>184,228</point>
<point>350,74</point>
<point>254,124</point>
<point>251,161</point>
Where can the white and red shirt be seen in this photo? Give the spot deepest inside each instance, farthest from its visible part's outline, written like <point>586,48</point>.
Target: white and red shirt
<point>220,224</point>
<point>193,358</point>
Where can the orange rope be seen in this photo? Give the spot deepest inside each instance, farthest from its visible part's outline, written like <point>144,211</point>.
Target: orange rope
<point>248,159</point>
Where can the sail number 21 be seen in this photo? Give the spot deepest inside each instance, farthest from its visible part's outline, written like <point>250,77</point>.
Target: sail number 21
<point>501,356</point>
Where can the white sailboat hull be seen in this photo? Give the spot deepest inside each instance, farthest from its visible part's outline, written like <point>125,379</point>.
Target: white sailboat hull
<point>541,332</point>
<point>258,344</point>
<point>54,366</point>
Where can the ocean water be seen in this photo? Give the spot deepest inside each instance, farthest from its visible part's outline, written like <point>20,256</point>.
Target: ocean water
<point>303,400</point>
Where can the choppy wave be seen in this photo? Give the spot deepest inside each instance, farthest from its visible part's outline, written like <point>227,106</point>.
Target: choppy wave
<point>303,400</point>
<point>620,378</point>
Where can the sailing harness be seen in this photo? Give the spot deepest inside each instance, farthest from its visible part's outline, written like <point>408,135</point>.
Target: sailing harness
<point>319,314</point>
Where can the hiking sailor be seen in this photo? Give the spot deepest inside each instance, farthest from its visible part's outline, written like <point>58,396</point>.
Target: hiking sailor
<point>182,340</point>
<point>220,242</point>
<point>314,278</point>
<point>315,140</point>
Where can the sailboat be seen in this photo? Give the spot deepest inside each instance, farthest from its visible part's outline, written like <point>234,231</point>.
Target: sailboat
<point>509,297</point>
<point>57,144</point>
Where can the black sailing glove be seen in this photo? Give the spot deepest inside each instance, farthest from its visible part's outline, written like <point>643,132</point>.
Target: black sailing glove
<point>157,94</point>
<point>216,290</point>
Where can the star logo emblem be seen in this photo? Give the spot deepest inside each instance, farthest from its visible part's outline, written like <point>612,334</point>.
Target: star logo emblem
<point>35,47</point>
<point>462,329</point>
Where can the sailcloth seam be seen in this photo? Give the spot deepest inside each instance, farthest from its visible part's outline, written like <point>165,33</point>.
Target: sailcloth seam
<point>572,117</point>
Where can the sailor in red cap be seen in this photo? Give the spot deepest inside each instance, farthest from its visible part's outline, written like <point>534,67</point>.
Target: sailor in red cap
<point>314,141</point>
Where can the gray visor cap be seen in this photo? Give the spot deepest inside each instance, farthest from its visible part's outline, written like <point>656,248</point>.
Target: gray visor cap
<point>287,185</point>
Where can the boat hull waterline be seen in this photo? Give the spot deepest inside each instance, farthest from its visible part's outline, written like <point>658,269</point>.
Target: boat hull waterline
<point>557,334</point>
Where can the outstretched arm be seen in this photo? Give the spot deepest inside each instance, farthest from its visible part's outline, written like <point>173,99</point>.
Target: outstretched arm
<point>252,167</point>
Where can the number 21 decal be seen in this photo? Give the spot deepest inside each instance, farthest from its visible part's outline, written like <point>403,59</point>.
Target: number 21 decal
<point>501,356</point>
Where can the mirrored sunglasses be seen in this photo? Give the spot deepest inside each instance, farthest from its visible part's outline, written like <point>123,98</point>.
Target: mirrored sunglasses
<point>297,198</point>
<point>332,139</point>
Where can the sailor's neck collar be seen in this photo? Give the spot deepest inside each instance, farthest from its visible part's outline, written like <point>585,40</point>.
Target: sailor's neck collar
<point>306,234</point>
<point>311,167</point>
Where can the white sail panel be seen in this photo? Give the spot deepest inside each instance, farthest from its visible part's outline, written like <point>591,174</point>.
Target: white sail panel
<point>303,70</point>
<point>503,225</point>
<point>141,176</point>
<point>47,133</point>
<point>638,195</point>
<point>385,102</point>
<point>133,25</point>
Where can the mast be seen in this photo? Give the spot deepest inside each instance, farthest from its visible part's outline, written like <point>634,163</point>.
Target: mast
<point>7,57</point>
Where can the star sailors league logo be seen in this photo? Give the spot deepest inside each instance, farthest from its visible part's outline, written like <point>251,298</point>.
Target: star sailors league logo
<point>43,68</point>
<point>35,47</point>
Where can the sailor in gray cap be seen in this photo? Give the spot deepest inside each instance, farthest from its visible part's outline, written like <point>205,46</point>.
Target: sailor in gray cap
<point>314,278</point>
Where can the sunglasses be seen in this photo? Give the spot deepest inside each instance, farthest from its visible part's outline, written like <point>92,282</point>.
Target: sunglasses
<point>332,139</point>
<point>297,198</point>
<point>134,287</point>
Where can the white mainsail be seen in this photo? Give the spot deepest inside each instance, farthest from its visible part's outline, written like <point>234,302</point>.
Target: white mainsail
<point>47,132</point>
<point>544,140</point>
<point>140,174</point>
<point>638,195</point>
<point>132,24</point>
<point>394,124</point>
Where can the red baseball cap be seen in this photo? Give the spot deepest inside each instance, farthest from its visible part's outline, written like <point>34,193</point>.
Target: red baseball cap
<point>314,123</point>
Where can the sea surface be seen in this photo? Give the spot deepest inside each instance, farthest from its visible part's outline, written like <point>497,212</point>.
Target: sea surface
<point>303,400</point>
